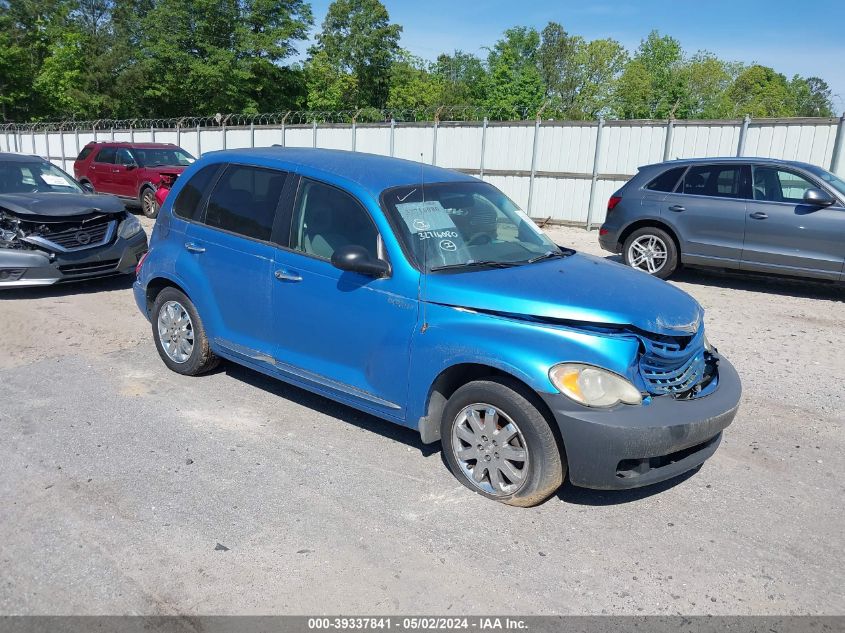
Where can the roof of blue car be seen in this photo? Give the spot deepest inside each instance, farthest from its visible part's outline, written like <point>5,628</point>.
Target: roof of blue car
<point>373,172</point>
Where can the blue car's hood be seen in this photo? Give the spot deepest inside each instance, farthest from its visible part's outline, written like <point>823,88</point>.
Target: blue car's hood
<point>578,288</point>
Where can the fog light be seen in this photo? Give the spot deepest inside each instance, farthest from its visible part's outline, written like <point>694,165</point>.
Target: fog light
<point>10,274</point>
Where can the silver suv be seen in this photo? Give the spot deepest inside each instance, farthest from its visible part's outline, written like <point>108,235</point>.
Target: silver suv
<point>753,214</point>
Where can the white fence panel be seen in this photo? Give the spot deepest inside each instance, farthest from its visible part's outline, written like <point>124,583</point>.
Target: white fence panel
<point>626,147</point>
<point>335,137</point>
<point>566,148</point>
<point>563,168</point>
<point>414,142</point>
<point>373,140</point>
<point>238,138</point>
<point>700,141</point>
<point>459,146</point>
<point>299,136</point>
<point>810,143</point>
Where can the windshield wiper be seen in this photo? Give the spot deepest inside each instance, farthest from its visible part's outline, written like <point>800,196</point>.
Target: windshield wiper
<point>549,255</point>
<point>478,264</point>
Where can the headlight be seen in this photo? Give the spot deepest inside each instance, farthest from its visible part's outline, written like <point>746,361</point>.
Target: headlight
<point>129,227</point>
<point>592,386</point>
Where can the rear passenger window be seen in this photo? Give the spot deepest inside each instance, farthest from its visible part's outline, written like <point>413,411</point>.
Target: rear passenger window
<point>719,181</point>
<point>244,201</point>
<point>85,153</point>
<point>106,155</point>
<point>188,201</point>
<point>667,180</point>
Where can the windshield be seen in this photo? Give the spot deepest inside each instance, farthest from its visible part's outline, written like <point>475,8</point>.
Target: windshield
<point>834,181</point>
<point>161,156</point>
<point>462,225</point>
<point>35,177</point>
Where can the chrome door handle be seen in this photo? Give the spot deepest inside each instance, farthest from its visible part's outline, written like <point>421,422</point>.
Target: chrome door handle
<point>194,248</point>
<point>677,208</point>
<point>759,215</point>
<point>284,275</point>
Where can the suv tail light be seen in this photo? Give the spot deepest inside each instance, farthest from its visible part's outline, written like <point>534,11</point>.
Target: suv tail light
<point>611,204</point>
<point>140,263</point>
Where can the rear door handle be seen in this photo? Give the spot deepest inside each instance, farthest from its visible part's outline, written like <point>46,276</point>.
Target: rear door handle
<point>677,208</point>
<point>759,215</point>
<point>194,248</point>
<point>287,275</point>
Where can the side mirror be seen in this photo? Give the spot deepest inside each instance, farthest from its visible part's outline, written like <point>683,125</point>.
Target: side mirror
<point>356,259</point>
<point>87,186</point>
<point>131,166</point>
<point>818,198</point>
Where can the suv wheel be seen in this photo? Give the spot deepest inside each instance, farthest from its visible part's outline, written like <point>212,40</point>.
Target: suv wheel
<point>179,334</point>
<point>498,444</point>
<point>651,250</point>
<point>149,205</point>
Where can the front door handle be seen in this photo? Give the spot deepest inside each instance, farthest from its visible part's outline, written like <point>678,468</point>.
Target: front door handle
<point>759,215</point>
<point>677,208</point>
<point>286,275</point>
<point>194,248</point>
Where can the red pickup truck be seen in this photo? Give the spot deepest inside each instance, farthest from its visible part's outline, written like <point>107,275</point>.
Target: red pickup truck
<point>131,171</point>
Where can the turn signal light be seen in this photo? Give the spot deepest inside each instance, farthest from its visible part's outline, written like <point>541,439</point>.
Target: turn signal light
<point>140,263</point>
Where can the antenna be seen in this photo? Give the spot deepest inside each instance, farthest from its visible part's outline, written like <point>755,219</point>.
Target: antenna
<point>424,294</point>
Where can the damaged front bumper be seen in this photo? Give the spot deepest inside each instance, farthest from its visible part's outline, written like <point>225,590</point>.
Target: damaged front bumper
<point>632,446</point>
<point>21,268</point>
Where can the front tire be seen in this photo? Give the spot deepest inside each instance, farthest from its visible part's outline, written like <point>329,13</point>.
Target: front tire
<point>180,335</point>
<point>651,250</point>
<point>498,444</point>
<point>149,204</point>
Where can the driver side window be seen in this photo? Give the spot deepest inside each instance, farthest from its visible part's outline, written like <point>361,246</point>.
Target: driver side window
<point>326,218</point>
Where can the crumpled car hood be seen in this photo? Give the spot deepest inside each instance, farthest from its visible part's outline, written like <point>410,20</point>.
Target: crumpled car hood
<point>576,289</point>
<point>59,204</point>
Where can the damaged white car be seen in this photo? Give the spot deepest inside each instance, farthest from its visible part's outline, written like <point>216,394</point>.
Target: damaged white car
<point>52,230</point>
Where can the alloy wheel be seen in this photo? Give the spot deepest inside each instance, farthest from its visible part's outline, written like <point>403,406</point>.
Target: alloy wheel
<point>175,331</point>
<point>648,253</point>
<point>490,449</point>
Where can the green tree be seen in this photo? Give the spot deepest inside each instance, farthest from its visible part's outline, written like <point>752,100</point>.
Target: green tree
<point>413,85</point>
<point>515,87</point>
<point>811,96</point>
<point>464,78</point>
<point>759,91</point>
<point>357,38</point>
<point>329,87</point>
<point>651,86</point>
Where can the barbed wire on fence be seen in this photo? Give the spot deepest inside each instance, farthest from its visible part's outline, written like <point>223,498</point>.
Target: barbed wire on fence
<point>289,117</point>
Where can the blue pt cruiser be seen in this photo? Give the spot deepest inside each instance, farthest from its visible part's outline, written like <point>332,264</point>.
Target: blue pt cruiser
<point>428,298</point>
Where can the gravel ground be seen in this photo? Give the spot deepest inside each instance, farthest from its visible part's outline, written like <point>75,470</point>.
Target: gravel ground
<point>126,488</point>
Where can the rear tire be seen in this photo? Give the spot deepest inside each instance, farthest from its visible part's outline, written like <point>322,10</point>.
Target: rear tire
<point>498,444</point>
<point>180,335</point>
<point>149,204</point>
<point>651,250</point>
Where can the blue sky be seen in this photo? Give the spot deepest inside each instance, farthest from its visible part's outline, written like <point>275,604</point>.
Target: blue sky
<point>807,38</point>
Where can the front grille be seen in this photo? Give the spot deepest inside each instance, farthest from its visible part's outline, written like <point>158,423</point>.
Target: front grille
<point>81,237</point>
<point>673,365</point>
<point>88,268</point>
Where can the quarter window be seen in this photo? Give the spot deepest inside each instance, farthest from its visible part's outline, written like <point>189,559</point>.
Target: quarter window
<point>188,201</point>
<point>244,201</point>
<point>667,180</point>
<point>719,181</point>
<point>327,218</point>
<point>85,153</point>
<point>106,155</point>
<point>777,185</point>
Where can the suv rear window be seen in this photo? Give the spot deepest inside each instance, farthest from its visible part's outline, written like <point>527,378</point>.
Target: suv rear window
<point>106,155</point>
<point>667,180</point>
<point>85,153</point>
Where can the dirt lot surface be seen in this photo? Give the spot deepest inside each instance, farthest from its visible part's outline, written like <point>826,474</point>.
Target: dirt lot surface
<point>126,488</point>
